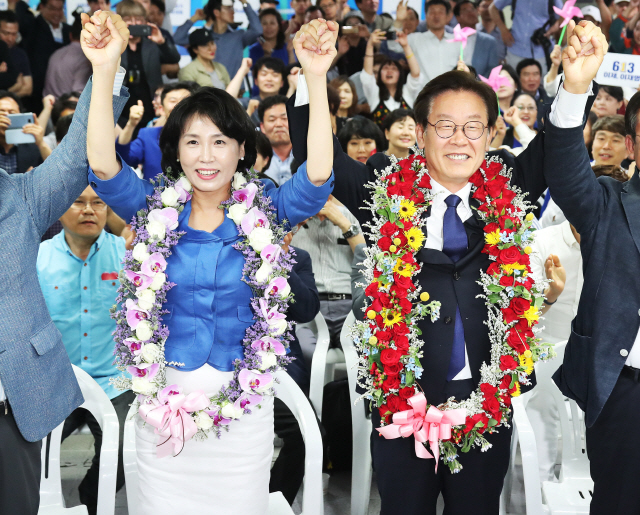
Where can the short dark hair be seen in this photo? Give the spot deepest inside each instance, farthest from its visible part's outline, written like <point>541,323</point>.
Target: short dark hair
<point>8,17</point>
<point>76,27</point>
<point>395,116</point>
<point>360,128</point>
<point>62,127</point>
<point>456,9</point>
<point>339,81</point>
<point>615,91</point>
<point>334,100</point>
<point>160,5</point>
<point>631,115</point>
<point>614,171</point>
<point>264,148</point>
<point>613,124</point>
<point>190,86</point>
<point>270,102</point>
<point>7,94</point>
<point>219,107</point>
<point>530,61</point>
<point>210,7</point>
<point>316,7</point>
<point>519,94</point>
<point>280,38</point>
<point>271,63</point>
<point>59,107</point>
<point>446,4</point>
<point>454,81</point>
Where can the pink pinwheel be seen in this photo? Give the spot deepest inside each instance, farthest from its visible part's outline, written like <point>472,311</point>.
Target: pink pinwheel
<point>495,80</point>
<point>461,35</point>
<point>568,11</point>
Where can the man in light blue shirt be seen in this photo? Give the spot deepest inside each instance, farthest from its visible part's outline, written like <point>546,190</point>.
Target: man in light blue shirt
<point>78,273</point>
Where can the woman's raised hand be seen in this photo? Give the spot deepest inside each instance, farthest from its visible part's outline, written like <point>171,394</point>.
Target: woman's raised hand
<point>103,38</point>
<point>315,46</point>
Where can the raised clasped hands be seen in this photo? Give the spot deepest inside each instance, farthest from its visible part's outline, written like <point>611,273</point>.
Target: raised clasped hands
<point>103,38</point>
<point>315,46</point>
<point>583,56</point>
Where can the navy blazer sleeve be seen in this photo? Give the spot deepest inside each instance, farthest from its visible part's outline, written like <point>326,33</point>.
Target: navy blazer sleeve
<point>306,303</point>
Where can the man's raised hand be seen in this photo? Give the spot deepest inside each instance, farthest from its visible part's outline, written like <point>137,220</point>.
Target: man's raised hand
<point>103,38</point>
<point>583,56</point>
<point>315,46</point>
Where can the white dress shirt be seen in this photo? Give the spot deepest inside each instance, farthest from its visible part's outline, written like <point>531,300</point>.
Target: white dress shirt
<point>117,85</point>
<point>559,240</point>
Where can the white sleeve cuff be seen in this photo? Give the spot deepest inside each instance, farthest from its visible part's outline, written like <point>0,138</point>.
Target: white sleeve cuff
<point>302,92</point>
<point>117,83</point>
<point>567,109</point>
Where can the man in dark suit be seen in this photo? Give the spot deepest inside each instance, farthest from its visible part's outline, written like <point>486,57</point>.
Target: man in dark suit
<point>49,33</point>
<point>601,369</point>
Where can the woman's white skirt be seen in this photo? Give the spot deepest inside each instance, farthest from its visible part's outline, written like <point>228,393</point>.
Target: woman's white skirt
<point>229,475</point>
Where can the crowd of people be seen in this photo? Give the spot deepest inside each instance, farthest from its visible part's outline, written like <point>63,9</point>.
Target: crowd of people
<point>318,105</point>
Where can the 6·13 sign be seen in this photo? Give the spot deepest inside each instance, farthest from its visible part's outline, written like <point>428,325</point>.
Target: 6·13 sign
<point>620,70</point>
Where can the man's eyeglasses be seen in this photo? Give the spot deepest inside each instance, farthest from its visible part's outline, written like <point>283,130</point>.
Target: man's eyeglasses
<point>527,108</point>
<point>96,205</point>
<point>446,128</point>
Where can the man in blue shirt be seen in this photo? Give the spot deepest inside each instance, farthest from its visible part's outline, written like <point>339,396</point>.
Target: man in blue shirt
<point>78,273</point>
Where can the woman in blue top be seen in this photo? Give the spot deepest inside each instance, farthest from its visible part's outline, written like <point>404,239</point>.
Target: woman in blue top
<point>208,137</point>
<point>274,40</point>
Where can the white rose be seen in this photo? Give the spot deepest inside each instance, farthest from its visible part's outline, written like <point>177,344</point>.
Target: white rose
<point>143,386</point>
<point>150,353</point>
<point>230,411</point>
<point>158,281</point>
<point>169,197</point>
<point>263,273</point>
<point>140,252</point>
<point>184,182</point>
<point>146,299</point>
<point>238,181</point>
<point>267,360</point>
<point>237,212</point>
<point>144,331</point>
<point>260,237</point>
<point>156,229</point>
<point>277,327</point>
<point>203,421</point>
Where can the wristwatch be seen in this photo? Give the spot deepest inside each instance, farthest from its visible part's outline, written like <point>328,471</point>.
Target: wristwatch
<point>354,230</point>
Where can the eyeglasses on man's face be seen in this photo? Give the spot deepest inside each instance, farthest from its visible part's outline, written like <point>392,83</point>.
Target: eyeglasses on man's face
<point>96,205</point>
<point>446,128</point>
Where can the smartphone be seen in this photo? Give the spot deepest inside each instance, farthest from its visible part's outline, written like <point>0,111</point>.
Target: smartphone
<point>350,29</point>
<point>391,35</point>
<point>261,40</point>
<point>140,31</point>
<point>14,135</point>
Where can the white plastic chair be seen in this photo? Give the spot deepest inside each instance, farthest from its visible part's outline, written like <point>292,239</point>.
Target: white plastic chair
<point>323,365</point>
<point>312,496</point>
<point>51,498</point>
<point>572,494</point>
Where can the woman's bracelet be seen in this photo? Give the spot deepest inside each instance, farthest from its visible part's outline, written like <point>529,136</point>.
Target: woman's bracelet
<point>409,56</point>
<point>368,55</point>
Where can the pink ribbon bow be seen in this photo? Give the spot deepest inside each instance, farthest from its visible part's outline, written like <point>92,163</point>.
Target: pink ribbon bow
<point>172,420</point>
<point>427,426</point>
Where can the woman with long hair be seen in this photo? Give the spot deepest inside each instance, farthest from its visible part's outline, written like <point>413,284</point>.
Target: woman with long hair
<point>508,89</point>
<point>348,99</point>
<point>218,326</point>
<point>391,89</point>
<point>274,40</point>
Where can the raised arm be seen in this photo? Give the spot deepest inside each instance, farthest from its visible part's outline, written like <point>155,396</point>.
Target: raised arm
<point>236,83</point>
<point>254,29</point>
<point>104,54</point>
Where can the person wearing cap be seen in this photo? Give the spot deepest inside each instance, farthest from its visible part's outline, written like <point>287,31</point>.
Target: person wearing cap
<point>231,42</point>
<point>203,69</point>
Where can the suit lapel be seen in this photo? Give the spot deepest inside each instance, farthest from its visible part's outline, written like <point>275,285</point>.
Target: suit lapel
<point>630,197</point>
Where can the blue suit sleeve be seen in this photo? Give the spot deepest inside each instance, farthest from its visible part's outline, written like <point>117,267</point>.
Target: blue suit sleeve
<point>254,29</point>
<point>298,199</point>
<point>125,193</point>
<point>303,286</point>
<point>181,36</point>
<point>52,187</point>
<point>132,152</point>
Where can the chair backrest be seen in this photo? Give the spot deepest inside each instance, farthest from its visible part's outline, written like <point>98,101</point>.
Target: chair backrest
<point>129,462</point>
<point>98,404</point>
<point>350,356</point>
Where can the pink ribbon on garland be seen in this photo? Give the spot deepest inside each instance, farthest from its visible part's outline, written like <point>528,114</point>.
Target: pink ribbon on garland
<point>427,426</point>
<point>172,420</point>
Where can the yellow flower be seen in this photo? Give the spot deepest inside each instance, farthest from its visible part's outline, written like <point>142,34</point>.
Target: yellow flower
<point>373,340</point>
<point>527,363</point>
<point>415,237</point>
<point>403,269</point>
<point>492,238</point>
<point>424,296</point>
<point>392,248</point>
<point>397,241</point>
<point>516,393</point>
<point>531,315</point>
<point>390,317</point>
<point>407,209</point>
<point>371,314</point>
<point>509,268</point>
<point>529,217</point>
<point>528,250</point>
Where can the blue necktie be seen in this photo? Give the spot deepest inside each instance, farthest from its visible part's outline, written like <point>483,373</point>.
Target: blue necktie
<point>455,246</point>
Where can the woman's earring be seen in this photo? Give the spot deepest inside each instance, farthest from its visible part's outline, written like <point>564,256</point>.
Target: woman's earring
<point>242,158</point>
<point>178,159</point>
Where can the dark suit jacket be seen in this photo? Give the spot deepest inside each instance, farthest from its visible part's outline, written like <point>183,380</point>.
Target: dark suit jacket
<point>40,47</point>
<point>28,155</point>
<point>450,283</point>
<point>485,54</point>
<point>153,56</point>
<point>606,214</point>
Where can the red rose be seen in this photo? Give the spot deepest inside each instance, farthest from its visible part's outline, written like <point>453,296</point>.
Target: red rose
<point>509,315</point>
<point>372,289</point>
<point>408,258</point>
<point>509,256</point>
<point>506,399</point>
<point>494,188</point>
<point>492,227</point>
<point>492,169</point>
<point>404,406</point>
<point>505,384</point>
<point>425,181</point>
<point>407,392</point>
<point>402,343</point>
<point>389,229</point>
<point>384,413</point>
<point>523,327</point>
<point>393,401</point>
<point>528,283</point>
<point>399,293</point>
<point>493,269</point>
<point>405,306</point>
<point>488,390</point>
<point>476,179</point>
<point>524,259</point>
<point>393,369</point>
<point>417,196</point>
<point>492,406</point>
<point>384,243</point>
<point>480,194</point>
<point>403,282</point>
<point>389,357</point>
<point>408,175</point>
<point>385,299</point>
<point>406,224</point>
<point>402,238</point>
<point>400,329</point>
<point>508,195</point>
<point>508,363</point>
<point>507,280</point>
<point>383,336</point>
<point>519,305</point>
<point>376,305</point>
<point>473,421</point>
<point>390,383</point>
<point>517,341</point>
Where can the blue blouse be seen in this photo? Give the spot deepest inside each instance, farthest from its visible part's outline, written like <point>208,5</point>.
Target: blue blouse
<point>209,312</point>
